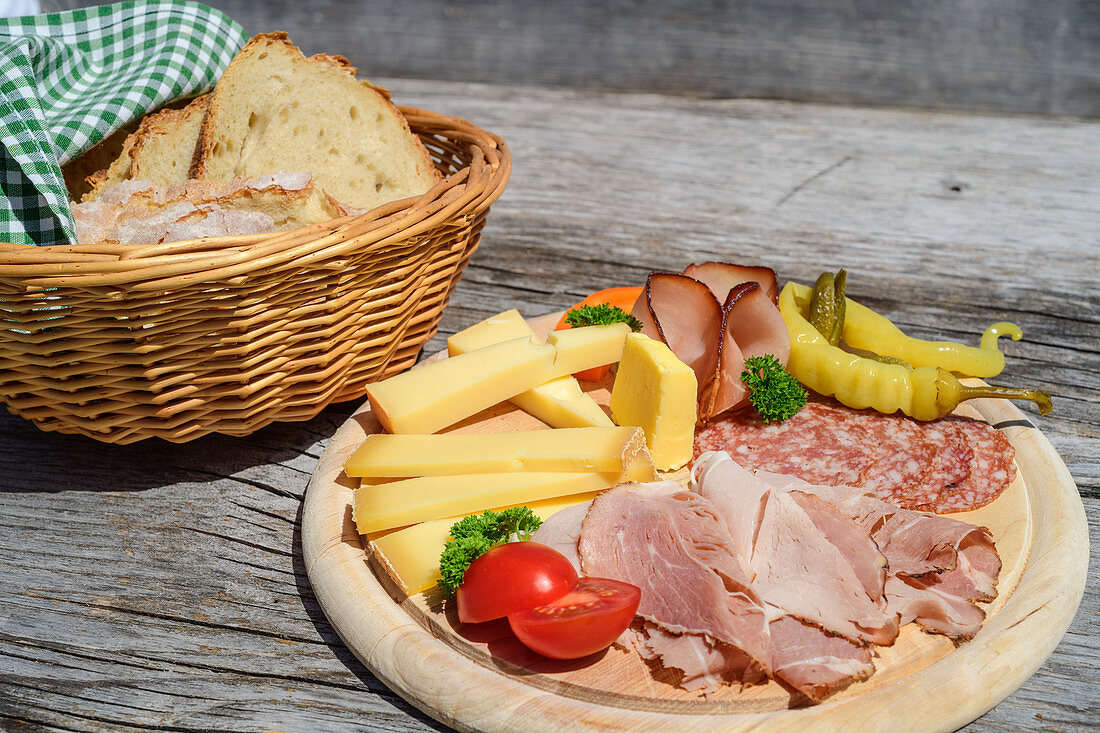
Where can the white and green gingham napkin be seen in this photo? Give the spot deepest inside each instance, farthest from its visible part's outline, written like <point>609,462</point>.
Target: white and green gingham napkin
<point>68,80</point>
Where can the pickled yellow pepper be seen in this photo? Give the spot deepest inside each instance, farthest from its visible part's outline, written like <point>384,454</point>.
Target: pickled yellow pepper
<point>923,393</point>
<point>864,329</point>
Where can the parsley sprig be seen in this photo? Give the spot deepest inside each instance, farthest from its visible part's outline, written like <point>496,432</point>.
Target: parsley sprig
<point>774,393</point>
<point>601,314</point>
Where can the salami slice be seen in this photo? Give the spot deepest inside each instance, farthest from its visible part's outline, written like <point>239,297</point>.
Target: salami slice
<point>822,444</point>
<point>909,458</point>
<point>990,469</point>
<point>951,465</point>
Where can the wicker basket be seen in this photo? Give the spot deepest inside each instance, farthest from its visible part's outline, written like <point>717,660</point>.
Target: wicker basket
<point>228,334</point>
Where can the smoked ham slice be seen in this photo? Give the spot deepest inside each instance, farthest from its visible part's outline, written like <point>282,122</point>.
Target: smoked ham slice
<point>751,326</point>
<point>713,317</point>
<point>722,277</point>
<point>683,314</point>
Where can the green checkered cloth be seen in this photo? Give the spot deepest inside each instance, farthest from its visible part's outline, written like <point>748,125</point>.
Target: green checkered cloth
<point>68,80</point>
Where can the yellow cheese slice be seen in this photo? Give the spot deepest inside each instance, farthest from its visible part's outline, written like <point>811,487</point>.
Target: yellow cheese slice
<point>410,555</point>
<point>400,503</point>
<point>437,394</point>
<point>605,450</point>
<point>560,403</point>
<point>494,329</point>
<point>591,346</point>
<point>656,392</point>
<point>440,393</point>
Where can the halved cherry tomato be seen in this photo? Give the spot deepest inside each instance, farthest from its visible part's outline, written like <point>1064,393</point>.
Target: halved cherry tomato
<point>582,622</point>
<point>623,298</point>
<point>510,578</point>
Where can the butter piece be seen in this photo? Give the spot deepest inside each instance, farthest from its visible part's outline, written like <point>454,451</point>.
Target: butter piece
<point>440,393</point>
<point>410,555</point>
<point>656,392</point>
<point>560,403</point>
<point>604,450</point>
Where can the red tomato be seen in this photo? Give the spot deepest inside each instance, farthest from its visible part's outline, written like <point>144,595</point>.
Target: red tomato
<point>510,578</point>
<point>582,622</point>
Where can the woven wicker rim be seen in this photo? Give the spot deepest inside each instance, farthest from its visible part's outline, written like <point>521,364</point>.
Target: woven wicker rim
<point>171,265</point>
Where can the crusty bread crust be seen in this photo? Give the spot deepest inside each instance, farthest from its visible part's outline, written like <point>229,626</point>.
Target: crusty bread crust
<point>228,147</point>
<point>171,132</point>
<point>137,212</point>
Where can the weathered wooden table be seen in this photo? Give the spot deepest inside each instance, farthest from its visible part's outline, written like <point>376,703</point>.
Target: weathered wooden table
<point>163,586</point>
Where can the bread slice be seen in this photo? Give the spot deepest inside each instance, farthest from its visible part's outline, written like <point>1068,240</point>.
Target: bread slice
<point>166,143</point>
<point>161,150</point>
<point>276,110</point>
<point>137,212</point>
<point>78,170</point>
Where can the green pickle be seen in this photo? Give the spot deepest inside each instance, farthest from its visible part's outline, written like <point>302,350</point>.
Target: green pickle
<point>823,305</point>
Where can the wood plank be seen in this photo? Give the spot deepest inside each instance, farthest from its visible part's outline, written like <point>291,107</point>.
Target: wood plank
<point>162,585</point>
<point>1015,56</point>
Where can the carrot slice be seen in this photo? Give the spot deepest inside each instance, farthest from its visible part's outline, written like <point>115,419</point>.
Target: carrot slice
<point>623,298</point>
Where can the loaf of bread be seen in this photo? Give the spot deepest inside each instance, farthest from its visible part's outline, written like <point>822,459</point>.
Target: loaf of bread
<point>220,162</point>
<point>139,212</point>
<point>276,110</point>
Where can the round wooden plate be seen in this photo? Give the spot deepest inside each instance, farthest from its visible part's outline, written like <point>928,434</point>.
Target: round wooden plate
<point>486,680</point>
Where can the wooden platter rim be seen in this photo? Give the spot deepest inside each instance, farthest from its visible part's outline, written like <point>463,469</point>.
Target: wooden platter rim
<point>440,680</point>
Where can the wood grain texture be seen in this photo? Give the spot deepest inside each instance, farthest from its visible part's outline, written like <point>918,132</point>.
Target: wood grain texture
<point>1001,55</point>
<point>163,586</point>
<point>479,678</point>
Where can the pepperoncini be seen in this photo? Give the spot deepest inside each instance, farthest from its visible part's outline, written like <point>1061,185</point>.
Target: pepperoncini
<point>922,392</point>
<point>870,331</point>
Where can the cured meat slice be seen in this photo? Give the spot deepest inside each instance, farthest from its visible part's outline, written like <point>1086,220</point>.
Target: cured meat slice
<point>948,465</point>
<point>704,663</point>
<point>751,326</point>
<point>721,277</point>
<point>672,545</point>
<point>939,567</point>
<point>821,444</point>
<point>801,571</point>
<point>809,560</point>
<point>931,602</point>
<point>813,662</point>
<point>683,314</point>
<point>979,453</point>
<point>909,455</point>
<point>918,543</point>
<point>562,529</point>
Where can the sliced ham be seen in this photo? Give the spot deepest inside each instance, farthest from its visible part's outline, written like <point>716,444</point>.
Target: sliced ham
<point>809,560</point>
<point>930,602</point>
<point>562,529</point>
<point>713,324</point>
<point>751,326</point>
<point>939,567</point>
<point>672,545</point>
<point>814,663</point>
<point>704,663</point>
<point>722,277</point>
